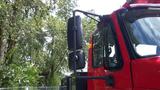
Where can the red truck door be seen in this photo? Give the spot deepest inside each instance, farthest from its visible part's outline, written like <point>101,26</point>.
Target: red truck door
<point>146,73</point>
<point>118,60</point>
<point>146,64</point>
<point>143,31</point>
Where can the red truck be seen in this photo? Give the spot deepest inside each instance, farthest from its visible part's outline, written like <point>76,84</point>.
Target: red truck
<point>124,51</point>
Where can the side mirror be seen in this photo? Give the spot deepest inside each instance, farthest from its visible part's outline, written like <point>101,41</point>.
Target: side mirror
<point>74,33</point>
<point>80,63</point>
<point>146,50</point>
<point>75,43</point>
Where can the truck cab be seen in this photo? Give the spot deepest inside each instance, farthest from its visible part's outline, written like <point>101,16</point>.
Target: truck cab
<point>125,48</point>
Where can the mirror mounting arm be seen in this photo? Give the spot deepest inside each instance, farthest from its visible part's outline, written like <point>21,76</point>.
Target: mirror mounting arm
<point>87,14</point>
<point>75,29</point>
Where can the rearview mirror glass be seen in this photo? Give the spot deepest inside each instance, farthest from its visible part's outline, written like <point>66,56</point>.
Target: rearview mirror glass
<point>146,50</point>
<point>74,33</point>
<point>80,61</point>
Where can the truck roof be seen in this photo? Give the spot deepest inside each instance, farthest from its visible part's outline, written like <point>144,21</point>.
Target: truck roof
<point>140,3</point>
<point>143,1</point>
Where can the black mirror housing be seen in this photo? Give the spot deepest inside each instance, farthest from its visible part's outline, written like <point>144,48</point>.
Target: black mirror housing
<point>74,33</point>
<point>80,60</point>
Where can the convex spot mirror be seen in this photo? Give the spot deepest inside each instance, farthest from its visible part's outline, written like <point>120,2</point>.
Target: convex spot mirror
<point>146,50</point>
<point>80,60</point>
<point>74,33</point>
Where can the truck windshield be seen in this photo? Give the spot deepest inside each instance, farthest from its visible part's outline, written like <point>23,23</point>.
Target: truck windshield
<point>143,27</point>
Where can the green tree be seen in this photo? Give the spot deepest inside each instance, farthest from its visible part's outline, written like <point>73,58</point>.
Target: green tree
<point>33,41</point>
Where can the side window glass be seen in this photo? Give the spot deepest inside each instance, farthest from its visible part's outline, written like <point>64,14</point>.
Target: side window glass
<point>105,49</point>
<point>113,59</point>
<point>98,49</point>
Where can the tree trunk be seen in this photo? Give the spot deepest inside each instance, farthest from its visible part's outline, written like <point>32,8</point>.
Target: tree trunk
<point>3,45</point>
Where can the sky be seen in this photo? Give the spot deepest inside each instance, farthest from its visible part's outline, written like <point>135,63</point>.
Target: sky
<point>100,7</point>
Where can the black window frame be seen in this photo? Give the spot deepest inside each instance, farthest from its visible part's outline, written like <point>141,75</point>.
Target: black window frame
<point>117,48</point>
<point>101,62</point>
<point>132,53</point>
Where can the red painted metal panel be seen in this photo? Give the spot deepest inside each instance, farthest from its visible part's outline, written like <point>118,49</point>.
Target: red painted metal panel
<point>90,70</point>
<point>146,73</point>
<point>95,84</point>
<point>123,76</point>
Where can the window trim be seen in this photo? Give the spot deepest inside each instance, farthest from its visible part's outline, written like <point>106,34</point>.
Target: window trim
<point>117,46</point>
<point>132,53</point>
<point>117,50</point>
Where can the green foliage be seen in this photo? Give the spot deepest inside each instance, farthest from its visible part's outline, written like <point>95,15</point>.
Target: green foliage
<point>17,75</point>
<point>33,49</point>
<point>57,48</point>
<point>89,26</point>
<point>33,45</point>
<point>65,8</point>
